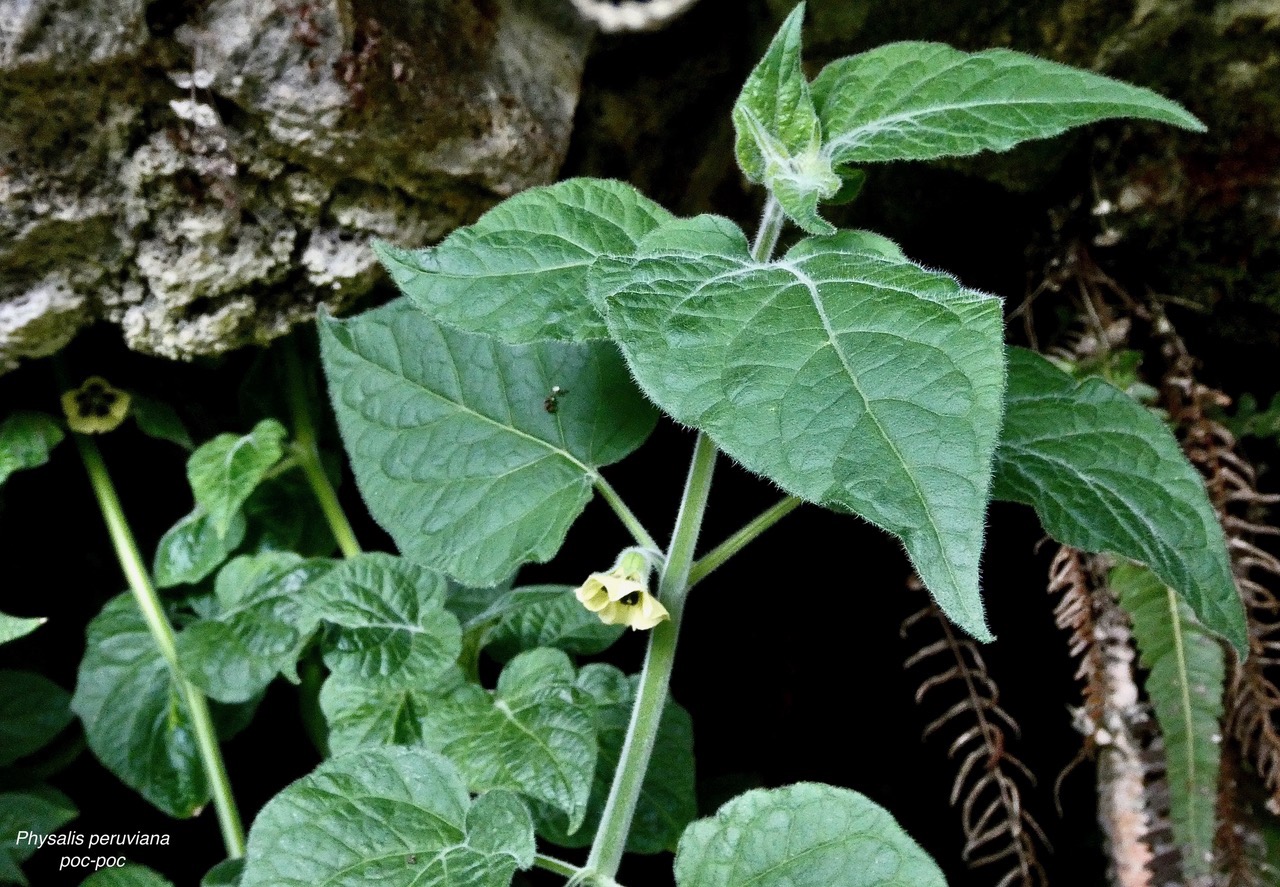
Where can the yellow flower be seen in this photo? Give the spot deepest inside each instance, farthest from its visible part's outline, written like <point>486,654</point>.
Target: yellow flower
<point>95,407</point>
<point>621,596</point>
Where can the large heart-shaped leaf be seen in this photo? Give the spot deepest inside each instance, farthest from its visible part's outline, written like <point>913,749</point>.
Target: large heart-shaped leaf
<point>535,734</point>
<point>258,630</point>
<point>520,272</point>
<point>667,802</point>
<point>918,101</point>
<point>135,718</point>
<point>846,374</point>
<point>1105,474</point>
<point>804,835</point>
<point>456,447</point>
<point>397,817</point>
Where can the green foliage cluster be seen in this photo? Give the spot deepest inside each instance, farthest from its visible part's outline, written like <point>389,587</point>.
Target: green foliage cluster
<point>534,349</point>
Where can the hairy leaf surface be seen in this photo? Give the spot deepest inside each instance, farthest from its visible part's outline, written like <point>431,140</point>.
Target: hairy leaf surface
<point>1106,475</point>
<point>135,718</point>
<point>535,734</point>
<point>387,714</point>
<point>520,272</point>
<point>1185,684</point>
<point>667,803</point>
<point>258,630</point>
<point>226,470</point>
<point>390,625</point>
<point>919,101</point>
<point>397,817</point>
<point>779,137</point>
<point>452,443</point>
<point>804,835</point>
<point>848,375</point>
<point>33,710</point>
<point>26,440</point>
<point>192,548</point>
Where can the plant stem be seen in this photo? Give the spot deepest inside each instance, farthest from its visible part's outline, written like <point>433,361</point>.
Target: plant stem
<point>651,698</point>
<point>628,518</point>
<point>307,453</point>
<point>770,229</point>
<point>739,540</point>
<point>162,633</point>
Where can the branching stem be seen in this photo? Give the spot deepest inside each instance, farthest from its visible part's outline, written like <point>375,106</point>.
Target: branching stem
<point>161,630</point>
<point>739,540</point>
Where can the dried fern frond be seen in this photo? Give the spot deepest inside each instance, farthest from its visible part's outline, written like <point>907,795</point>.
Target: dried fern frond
<point>1113,718</point>
<point>998,829</point>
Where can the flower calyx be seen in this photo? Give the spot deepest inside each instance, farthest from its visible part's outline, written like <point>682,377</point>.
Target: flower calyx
<point>621,596</point>
<point>95,407</point>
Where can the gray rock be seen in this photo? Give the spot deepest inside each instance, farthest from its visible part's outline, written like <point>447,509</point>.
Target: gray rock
<point>207,175</point>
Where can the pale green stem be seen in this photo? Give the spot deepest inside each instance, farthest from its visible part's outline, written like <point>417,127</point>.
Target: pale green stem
<point>572,872</point>
<point>628,518</point>
<point>771,224</point>
<point>651,698</point>
<point>162,634</point>
<point>673,583</point>
<point>739,540</point>
<point>307,453</point>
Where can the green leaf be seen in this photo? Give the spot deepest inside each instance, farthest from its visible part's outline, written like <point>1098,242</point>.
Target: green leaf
<point>779,137</point>
<point>548,616</point>
<point>804,835</point>
<point>846,374</point>
<point>157,419</point>
<point>224,472</point>
<point>38,811</point>
<point>919,101</point>
<point>1186,671</point>
<point>1105,475</point>
<point>358,715</point>
<point>393,816</point>
<point>26,440</point>
<point>135,719</point>
<point>451,443</point>
<point>391,625</point>
<point>535,734</point>
<point>192,548</point>
<point>283,514</point>
<point>33,710</point>
<point>14,627</point>
<point>258,630</point>
<point>131,875</point>
<point>225,874</point>
<point>667,801</point>
<point>520,272</point>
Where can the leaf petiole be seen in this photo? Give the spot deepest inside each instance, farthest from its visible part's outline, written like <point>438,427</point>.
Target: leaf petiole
<point>625,514</point>
<point>144,593</point>
<point>739,540</point>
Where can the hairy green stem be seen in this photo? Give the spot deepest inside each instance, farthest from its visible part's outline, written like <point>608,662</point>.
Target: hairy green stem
<point>771,224</point>
<point>162,633</point>
<point>739,540</point>
<point>633,763</point>
<point>572,872</point>
<point>628,518</point>
<point>307,452</point>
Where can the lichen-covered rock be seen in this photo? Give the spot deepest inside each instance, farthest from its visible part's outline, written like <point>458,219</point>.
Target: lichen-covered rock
<point>205,175</point>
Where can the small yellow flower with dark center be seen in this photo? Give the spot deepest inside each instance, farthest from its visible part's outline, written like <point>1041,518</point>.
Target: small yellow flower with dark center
<point>95,407</point>
<point>621,596</point>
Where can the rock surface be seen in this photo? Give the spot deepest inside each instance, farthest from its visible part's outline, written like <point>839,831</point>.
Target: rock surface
<point>205,174</point>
